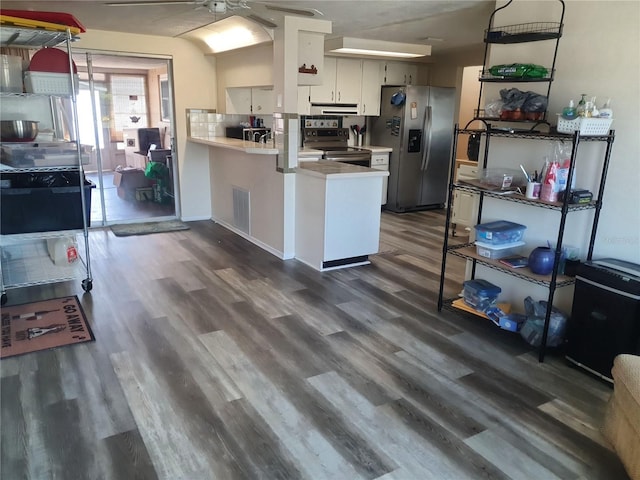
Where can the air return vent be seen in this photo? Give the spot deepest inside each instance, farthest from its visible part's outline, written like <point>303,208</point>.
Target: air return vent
<point>241,210</point>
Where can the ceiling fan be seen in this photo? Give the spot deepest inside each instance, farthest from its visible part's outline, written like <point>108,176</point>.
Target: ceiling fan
<point>234,7</point>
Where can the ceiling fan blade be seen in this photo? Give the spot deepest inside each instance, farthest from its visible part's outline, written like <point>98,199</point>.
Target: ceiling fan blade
<point>262,21</point>
<point>293,11</point>
<point>153,2</point>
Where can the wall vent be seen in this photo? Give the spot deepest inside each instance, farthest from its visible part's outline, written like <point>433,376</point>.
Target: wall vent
<point>241,211</point>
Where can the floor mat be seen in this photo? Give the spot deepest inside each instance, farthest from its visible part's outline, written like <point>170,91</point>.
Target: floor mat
<point>36,326</point>
<point>127,230</point>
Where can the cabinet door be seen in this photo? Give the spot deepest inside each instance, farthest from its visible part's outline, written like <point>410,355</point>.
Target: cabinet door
<point>348,80</point>
<point>238,100</point>
<point>400,73</point>
<point>326,93</point>
<point>262,101</point>
<point>304,105</point>
<point>465,208</point>
<point>371,83</point>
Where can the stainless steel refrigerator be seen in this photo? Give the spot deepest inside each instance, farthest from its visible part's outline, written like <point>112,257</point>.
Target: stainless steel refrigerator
<point>417,122</point>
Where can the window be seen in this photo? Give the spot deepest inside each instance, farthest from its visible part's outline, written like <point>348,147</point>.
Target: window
<point>165,103</point>
<point>129,104</point>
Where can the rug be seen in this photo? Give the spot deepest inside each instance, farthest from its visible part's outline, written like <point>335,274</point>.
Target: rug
<point>35,326</point>
<point>127,230</point>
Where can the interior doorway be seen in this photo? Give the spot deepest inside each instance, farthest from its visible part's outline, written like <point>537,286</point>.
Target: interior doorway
<point>126,123</point>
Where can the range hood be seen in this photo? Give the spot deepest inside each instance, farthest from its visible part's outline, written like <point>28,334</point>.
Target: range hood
<point>334,109</point>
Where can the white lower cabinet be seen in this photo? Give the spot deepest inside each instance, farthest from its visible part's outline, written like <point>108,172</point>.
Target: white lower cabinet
<point>380,161</point>
<point>465,204</point>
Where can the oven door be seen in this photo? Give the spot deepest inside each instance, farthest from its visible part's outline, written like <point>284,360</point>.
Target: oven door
<point>362,159</point>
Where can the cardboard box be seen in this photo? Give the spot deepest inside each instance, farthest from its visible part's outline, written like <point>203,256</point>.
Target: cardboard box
<point>128,180</point>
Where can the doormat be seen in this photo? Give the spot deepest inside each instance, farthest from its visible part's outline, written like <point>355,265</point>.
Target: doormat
<point>35,326</point>
<point>129,229</point>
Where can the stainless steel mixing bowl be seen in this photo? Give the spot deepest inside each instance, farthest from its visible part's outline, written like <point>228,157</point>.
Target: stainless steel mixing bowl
<point>18,130</point>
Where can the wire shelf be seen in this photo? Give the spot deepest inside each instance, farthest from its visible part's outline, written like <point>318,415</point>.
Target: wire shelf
<point>524,32</point>
<point>468,251</point>
<point>517,197</point>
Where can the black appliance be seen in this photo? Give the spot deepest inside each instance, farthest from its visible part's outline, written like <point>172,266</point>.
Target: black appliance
<point>246,133</point>
<point>605,317</point>
<point>147,137</point>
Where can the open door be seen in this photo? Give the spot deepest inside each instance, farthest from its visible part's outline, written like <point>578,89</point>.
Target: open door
<point>125,109</point>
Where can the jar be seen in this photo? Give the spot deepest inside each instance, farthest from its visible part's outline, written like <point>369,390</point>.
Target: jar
<point>541,260</point>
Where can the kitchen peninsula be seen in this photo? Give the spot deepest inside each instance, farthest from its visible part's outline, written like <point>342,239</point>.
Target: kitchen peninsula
<point>278,211</point>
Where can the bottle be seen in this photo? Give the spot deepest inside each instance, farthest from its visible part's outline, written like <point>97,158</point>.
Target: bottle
<point>582,106</point>
<point>605,111</point>
<point>569,112</point>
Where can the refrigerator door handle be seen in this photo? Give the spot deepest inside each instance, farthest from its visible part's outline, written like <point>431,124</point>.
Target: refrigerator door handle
<point>426,152</point>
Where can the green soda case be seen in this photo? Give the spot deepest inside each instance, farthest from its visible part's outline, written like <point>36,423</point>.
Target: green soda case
<point>519,70</point>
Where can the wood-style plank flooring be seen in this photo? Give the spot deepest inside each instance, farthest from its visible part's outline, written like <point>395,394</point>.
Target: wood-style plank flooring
<point>215,360</point>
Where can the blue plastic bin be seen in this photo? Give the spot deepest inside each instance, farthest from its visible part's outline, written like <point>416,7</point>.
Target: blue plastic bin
<point>500,232</point>
<point>480,294</point>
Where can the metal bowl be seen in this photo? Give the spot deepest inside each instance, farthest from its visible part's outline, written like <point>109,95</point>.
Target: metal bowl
<point>18,130</point>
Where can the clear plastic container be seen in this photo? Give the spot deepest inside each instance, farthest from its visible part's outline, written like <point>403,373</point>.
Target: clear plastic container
<point>480,294</point>
<point>499,232</point>
<point>489,250</point>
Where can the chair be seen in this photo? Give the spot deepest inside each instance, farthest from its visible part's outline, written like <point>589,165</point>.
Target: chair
<point>622,417</point>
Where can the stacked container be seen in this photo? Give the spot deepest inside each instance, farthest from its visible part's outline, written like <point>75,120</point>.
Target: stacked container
<point>499,239</point>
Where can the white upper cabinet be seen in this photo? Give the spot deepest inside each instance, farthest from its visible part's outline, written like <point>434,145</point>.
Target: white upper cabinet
<point>371,83</point>
<point>400,73</point>
<point>326,92</point>
<point>238,100</point>
<point>304,105</point>
<point>262,101</point>
<point>341,82</point>
<point>250,100</point>
<point>348,75</point>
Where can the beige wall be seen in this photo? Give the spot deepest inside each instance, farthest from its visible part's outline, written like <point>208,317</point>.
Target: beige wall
<point>194,80</point>
<point>247,67</point>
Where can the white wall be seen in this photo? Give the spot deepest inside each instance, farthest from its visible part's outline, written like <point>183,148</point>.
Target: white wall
<point>599,54</point>
<point>194,80</point>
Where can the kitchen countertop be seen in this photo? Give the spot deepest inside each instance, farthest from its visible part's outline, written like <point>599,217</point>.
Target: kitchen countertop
<point>237,144</point>
<point>328,169</point>
<point>266,148</point>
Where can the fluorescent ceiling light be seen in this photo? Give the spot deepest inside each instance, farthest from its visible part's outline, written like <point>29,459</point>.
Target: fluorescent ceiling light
<point>379,48</point>
<point>230,33</point>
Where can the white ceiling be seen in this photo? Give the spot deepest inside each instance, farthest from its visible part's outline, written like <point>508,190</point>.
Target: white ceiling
<point>459,23</point>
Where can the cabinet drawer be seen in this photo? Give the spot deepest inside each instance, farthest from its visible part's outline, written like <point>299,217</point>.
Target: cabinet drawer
<point>379,159</point>
<point>467,172</point>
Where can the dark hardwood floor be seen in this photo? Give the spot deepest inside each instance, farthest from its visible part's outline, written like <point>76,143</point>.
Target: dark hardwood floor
<point>215,360</point>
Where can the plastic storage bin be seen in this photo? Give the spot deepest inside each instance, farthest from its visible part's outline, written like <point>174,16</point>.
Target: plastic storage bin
<point>489,250</point>
<point>480,294</point>
<point>49,83</point>
<point>499,232</point>
<point>43,209</point>
<point>586,126</point>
